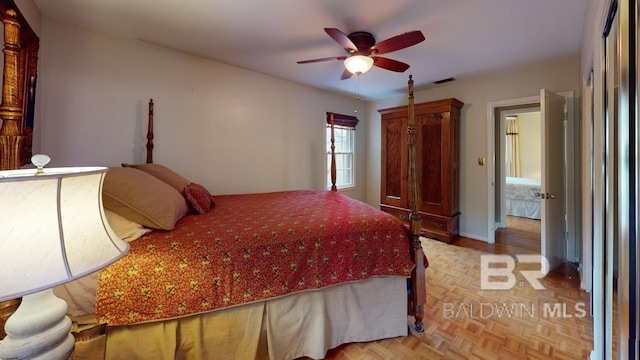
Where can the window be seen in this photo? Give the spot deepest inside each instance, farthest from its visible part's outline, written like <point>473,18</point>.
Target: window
<point>344,132</point>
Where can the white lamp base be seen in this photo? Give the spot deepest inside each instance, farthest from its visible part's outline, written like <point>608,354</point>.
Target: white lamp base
<point>39,329</point>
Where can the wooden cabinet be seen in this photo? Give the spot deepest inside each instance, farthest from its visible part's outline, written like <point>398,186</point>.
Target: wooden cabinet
<point>438,164</point>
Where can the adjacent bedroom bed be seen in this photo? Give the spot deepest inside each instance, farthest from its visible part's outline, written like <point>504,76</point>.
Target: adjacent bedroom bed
<point>278,275</point>
<point>521,199</point>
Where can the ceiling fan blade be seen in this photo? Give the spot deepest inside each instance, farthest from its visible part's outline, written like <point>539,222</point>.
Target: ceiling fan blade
<point>322,59</point>
<point>397,42</point>
<point>345,75</point>
<point>390,64</point>
<point>341,39</point>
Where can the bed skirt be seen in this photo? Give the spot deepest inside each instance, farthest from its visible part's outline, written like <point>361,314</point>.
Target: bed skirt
<point>303,324</point>
<point>523,208</point>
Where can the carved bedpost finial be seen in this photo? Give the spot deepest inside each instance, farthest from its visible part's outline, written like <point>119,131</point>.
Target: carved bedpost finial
<point>150,134</point>
<point>410,92</point>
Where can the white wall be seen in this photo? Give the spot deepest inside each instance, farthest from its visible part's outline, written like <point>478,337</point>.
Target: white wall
<point>530,145</point>
<point>232,130</point>
<point>31,13</point>
<point>557,75</point>
<point>595,18</point>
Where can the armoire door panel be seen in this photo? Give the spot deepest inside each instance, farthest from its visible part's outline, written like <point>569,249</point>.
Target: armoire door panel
<point>394,162</point>
<point>430,140</point>
<point>448,145</point>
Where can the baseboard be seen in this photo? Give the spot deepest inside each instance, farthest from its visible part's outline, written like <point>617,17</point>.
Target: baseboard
<point>583,284</point>
<point>474,237</point>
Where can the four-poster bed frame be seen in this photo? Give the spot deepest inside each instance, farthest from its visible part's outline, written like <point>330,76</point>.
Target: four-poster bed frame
<point>417,294</point>
<point>417,288</point>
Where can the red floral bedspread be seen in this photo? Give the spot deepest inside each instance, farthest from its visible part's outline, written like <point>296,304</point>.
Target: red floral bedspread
<point>249,248</point>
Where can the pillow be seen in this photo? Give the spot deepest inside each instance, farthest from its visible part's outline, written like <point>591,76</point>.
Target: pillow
<point>142,198</point>
<point>163,173</point>
<point>199,198</point>
<point>126,229</point>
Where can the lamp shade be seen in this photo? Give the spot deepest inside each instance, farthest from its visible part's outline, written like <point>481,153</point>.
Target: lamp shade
<point>53,228</point>
<point>358,64</point>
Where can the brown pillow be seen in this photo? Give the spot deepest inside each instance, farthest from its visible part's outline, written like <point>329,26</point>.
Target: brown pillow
<point>163,173</point>
<point>142,198</point>
<point>199,198</point>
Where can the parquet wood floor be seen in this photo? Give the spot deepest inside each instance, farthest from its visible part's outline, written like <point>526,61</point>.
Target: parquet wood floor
<point>464,322</point>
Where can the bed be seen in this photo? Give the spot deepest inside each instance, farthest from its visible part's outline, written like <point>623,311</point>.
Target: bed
<point>291,263</point>
<point>521,199</point>
<point>277,275</point>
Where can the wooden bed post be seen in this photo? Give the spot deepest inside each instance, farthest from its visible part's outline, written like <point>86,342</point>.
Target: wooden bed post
<point>333,154</point>
<point>20,64</point>
<point>11,114</point>
<point>150,134</point>
<point>11,109</point>
<point>418,279</point>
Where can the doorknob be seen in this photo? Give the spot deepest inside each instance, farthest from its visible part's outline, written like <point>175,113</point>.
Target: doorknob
<point>541,196</point>
<point>551,196</point>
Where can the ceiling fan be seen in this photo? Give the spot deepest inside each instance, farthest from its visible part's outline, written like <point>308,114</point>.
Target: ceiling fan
<point>364,51</point>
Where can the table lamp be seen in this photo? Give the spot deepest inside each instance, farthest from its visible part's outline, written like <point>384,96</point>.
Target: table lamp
<point>53,229</point>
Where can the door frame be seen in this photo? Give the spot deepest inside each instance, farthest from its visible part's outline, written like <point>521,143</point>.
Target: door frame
<point>571,250</point>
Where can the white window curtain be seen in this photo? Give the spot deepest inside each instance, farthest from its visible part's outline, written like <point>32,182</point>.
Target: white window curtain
<point>512,158</point>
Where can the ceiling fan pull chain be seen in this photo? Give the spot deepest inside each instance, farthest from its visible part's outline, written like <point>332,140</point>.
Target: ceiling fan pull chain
<point>355,108</point>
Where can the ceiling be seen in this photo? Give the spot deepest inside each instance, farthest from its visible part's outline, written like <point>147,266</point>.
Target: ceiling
<point>464,38</point>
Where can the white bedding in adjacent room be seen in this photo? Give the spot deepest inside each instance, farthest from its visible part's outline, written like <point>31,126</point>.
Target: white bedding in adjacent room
<point>521,199</point>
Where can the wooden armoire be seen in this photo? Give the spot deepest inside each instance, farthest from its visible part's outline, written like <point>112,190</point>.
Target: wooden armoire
<point>438,166</point>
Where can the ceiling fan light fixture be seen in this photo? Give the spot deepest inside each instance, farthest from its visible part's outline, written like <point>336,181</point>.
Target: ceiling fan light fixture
<point>358,64</point>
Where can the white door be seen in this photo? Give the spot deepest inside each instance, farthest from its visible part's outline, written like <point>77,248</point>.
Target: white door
<point>553,224</point>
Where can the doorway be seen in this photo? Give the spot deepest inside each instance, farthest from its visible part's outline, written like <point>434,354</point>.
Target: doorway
<point>518,142</point>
